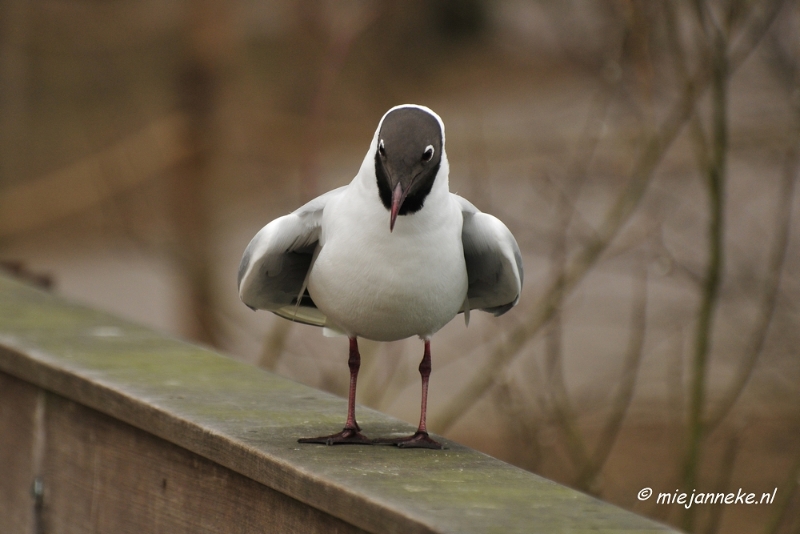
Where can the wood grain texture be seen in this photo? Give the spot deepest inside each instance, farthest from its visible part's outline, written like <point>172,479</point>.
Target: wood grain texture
<point>17,416</point>
<point>101,475</point>
<point>247,421</point>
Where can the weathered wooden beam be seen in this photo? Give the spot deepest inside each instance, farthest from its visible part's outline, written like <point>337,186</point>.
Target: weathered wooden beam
<point>108,414</point>
<point>98,474</point>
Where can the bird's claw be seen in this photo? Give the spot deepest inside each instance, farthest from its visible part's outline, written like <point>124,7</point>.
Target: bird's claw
<point>348,436</point>
<point>420,440</point>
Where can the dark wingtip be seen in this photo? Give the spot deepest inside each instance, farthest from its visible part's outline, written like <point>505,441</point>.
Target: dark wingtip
<point>497,311</point>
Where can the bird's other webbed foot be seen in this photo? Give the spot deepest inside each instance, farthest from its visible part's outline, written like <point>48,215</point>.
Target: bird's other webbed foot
<point>348,436</point>
<point>420,440</point>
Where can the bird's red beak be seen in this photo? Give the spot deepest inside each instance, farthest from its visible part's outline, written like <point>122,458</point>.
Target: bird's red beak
<point>398,196</point>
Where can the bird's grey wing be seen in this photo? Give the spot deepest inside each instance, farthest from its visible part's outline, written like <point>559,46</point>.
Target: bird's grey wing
<point>274,267</point>
<point>494,263</point>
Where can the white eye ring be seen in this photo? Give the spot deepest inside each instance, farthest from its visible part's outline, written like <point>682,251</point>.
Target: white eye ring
<point>428,154</point>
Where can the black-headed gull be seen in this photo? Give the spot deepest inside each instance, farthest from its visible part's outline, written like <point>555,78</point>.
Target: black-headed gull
<point>337,262</point>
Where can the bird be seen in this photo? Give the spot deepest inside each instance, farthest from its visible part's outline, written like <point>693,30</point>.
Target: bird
<point>392,255</point>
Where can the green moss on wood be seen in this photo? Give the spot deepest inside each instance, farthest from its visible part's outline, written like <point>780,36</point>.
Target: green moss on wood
<point>249,420</point>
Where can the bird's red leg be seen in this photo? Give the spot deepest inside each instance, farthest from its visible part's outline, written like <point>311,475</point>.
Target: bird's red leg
<point>420,439</point>
<point>351,433</point>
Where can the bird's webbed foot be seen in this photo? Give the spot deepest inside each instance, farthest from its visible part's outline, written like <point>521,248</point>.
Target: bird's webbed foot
<point>348,436</point>
<point>420,440</point>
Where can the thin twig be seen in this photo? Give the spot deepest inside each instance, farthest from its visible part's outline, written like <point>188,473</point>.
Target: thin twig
<point>522,427</point>
<point>559,396</point>
<point>626,387</point>
<point>682,70</point>
<point>723,481</point>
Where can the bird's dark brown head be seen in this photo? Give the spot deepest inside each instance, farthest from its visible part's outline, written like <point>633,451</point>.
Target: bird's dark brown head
<point>407,159</point>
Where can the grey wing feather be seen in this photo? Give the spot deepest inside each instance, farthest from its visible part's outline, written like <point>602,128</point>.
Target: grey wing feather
<point>274,267</point>
<point>494,263</point>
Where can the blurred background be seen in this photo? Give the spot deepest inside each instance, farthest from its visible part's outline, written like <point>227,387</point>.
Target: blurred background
<point>643,153</point>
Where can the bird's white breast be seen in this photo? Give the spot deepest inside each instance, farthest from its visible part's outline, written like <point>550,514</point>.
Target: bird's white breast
<point>384,285</point>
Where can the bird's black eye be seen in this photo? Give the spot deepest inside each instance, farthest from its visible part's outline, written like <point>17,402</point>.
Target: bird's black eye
<point>428,154</point>
<point>381,149</point>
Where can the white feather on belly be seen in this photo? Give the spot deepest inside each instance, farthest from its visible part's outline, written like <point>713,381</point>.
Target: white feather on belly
<point>388,286</point>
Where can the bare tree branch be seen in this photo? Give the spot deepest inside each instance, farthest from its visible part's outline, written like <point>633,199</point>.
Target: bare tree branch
<point>717,31</point>
<point>640,176</point>
<point>619,213</point>
<point>783,222</point>
<point>716,175</point>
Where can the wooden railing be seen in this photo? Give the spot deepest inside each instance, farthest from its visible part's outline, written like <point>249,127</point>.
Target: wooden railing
<point>106,426</point>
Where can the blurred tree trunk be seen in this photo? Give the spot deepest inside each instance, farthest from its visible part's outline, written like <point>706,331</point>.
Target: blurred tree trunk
<point>13,85</point>
<point>208,45</point>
